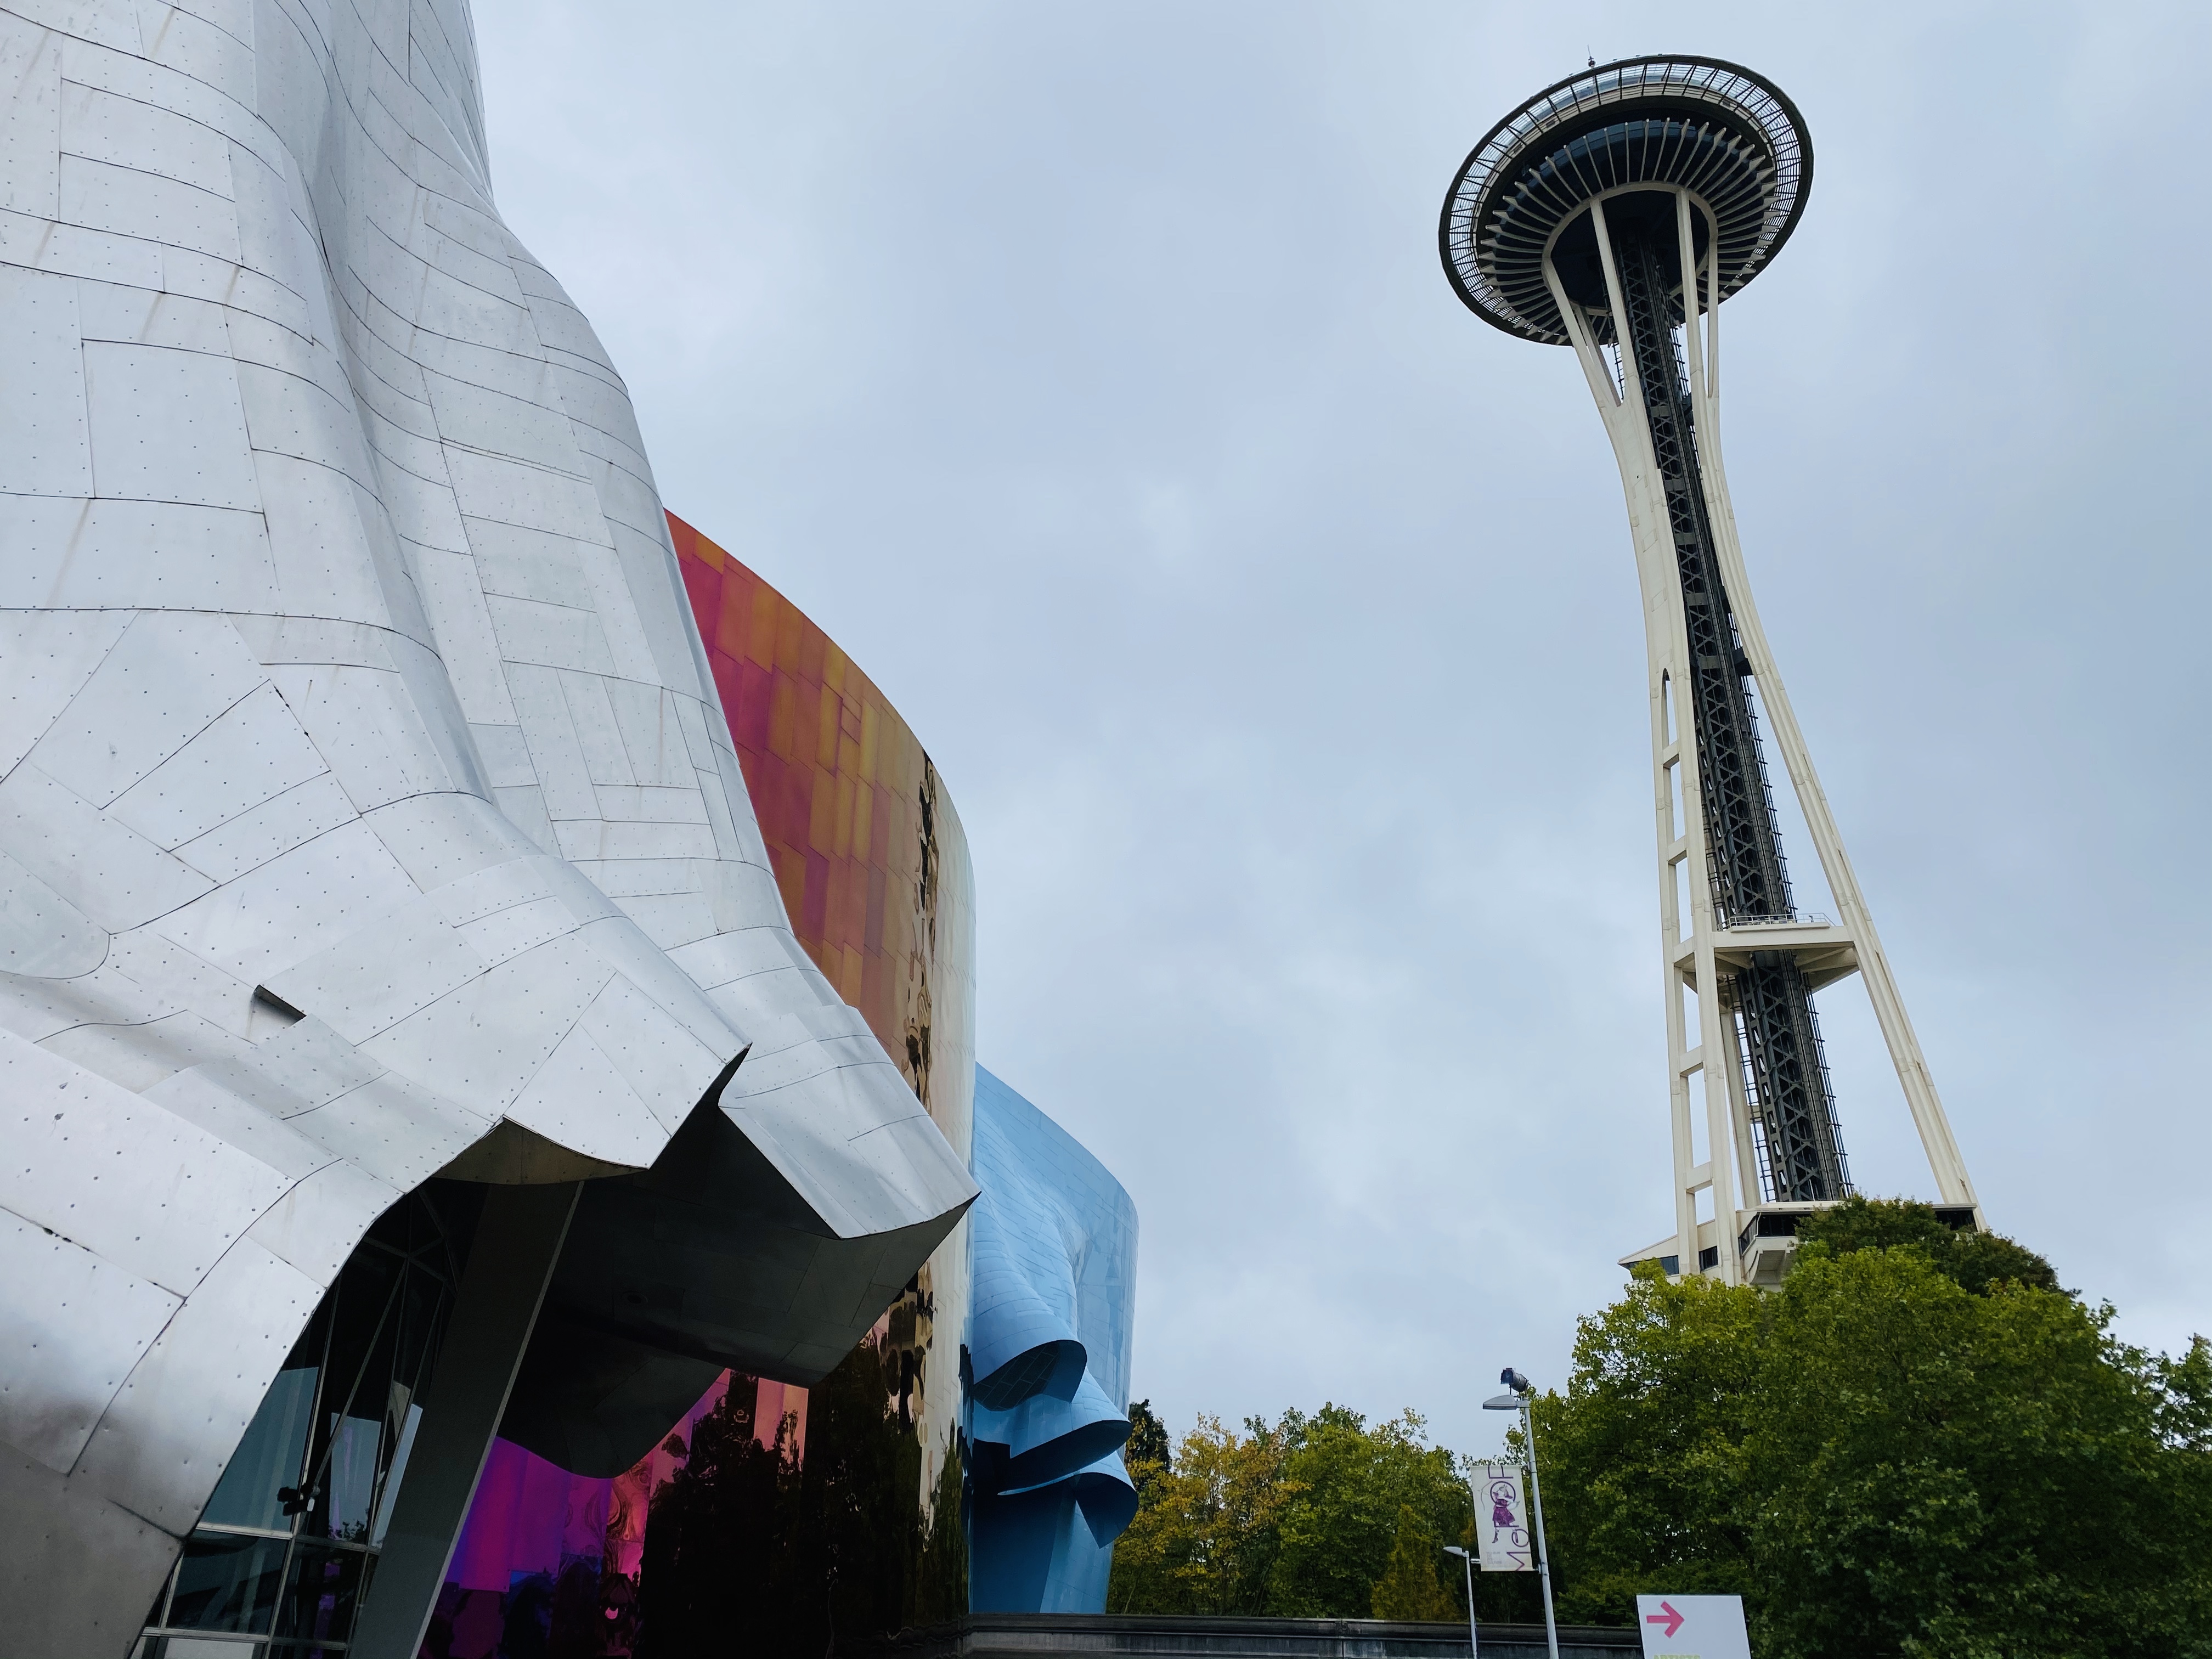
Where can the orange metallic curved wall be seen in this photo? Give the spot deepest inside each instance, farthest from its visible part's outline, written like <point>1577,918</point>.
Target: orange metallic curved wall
<point>864,841</point>
<point>873,867</point>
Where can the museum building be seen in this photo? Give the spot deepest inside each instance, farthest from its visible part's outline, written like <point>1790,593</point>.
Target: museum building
<point>486,988</point>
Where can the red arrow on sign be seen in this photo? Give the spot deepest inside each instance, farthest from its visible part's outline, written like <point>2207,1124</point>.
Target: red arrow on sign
<point>1666,1616</point>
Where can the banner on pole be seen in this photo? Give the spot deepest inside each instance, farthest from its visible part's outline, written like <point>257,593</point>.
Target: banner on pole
<point>1502,1541</point>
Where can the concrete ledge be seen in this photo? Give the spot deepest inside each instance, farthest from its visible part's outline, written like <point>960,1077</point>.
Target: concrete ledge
<point>1113,1636</point>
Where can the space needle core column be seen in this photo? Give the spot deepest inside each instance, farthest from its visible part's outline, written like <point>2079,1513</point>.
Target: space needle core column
<point>1614,212</point>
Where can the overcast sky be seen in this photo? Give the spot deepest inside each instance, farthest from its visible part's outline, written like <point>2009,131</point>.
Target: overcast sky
<point>1089,373</point>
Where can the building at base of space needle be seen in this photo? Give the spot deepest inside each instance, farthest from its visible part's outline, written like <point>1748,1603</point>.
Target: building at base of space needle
<point>1613,213</point>
<point>414,1081</point>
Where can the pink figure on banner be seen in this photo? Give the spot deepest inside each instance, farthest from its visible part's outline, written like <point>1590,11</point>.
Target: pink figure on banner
<point>1504,1543</point>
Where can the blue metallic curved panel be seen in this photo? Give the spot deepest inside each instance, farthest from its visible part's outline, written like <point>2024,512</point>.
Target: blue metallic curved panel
<point>1051,1317</point>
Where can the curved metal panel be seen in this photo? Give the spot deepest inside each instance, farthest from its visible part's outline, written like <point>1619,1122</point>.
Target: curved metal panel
<point>343,648</point>
<point>867,854</point>
<point>1055,1264</point>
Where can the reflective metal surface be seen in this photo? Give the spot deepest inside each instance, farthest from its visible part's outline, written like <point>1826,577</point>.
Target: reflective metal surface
<point>871,862</point>
<point>1055,1254</point>
<point>359,770</point>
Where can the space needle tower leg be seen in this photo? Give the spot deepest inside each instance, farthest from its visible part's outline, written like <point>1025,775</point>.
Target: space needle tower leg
<point>1613,214</point>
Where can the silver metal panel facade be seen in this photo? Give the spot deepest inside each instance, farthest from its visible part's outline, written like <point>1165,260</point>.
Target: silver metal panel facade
<point>361,785</point>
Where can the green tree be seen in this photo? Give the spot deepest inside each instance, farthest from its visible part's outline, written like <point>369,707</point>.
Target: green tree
<point>1976,1260</point>
<point>1341,1524</point>
<point>1301,1518</point>
<point>1148,1455</point>
<point>1938,1472</point>
<point>1205,1531</point>
<point>1409,1588</point>
<point>1643,1459</point>
<point>1896,1454</point>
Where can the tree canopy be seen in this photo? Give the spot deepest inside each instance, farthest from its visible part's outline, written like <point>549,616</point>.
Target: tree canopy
<point>1305,1517</point>
<point>1919,1447</point>
<point>1976,1260</point>
<point>1409,1588</point>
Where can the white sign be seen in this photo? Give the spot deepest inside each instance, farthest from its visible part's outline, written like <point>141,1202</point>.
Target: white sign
<point>1502,1541</point>
<point>1693,1626</point>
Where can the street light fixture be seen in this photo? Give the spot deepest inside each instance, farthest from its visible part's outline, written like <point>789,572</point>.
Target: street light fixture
<point>1466,1558</point>
<point>1524,1394</point>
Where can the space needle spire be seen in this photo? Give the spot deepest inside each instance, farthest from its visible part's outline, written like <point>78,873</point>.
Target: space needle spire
<point>1613,213</point>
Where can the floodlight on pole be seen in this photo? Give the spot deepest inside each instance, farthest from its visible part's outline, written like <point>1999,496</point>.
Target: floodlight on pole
<point>1466,1561</point>
<point>1524,1396</point>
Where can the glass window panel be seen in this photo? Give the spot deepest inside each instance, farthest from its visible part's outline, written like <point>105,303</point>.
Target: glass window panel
<point>364,1303</point>
<point>268,1458</point>
<point>353,1476</point>
<point>156,1614</point>
<point>227,1583</point>
<point>419,1326</point>
<point>318,1604</point>
<point>391,1495</point>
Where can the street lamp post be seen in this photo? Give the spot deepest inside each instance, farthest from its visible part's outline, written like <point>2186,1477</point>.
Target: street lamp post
<point>1519,1401</point>
<point>1467,1559</point>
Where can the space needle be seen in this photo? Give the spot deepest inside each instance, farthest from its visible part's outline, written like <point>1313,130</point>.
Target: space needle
<point>1613,213</point>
